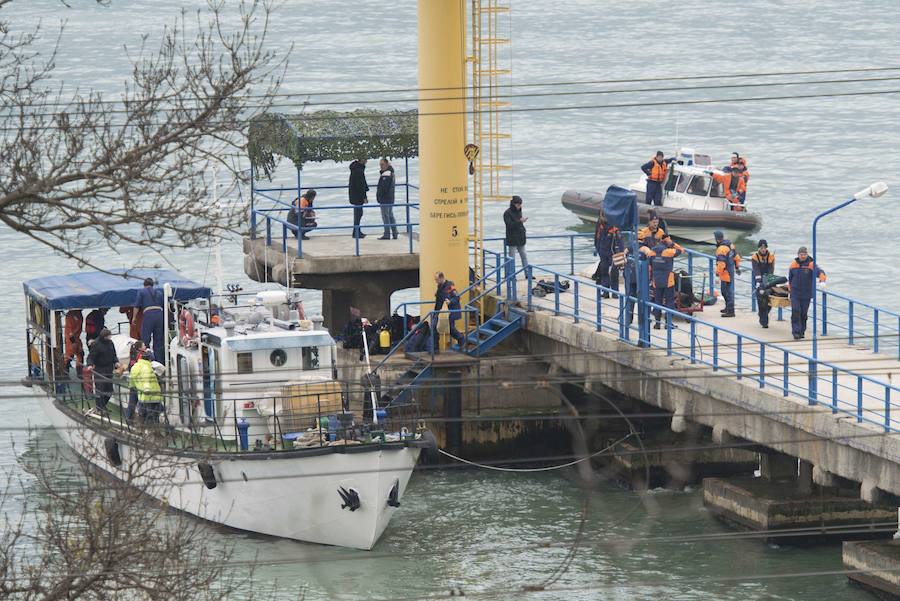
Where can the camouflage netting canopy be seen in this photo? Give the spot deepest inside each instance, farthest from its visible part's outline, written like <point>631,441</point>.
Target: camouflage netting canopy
<point>331,136</point>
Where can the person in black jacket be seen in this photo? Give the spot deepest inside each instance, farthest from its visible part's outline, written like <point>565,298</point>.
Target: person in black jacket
<point>105,360</point>
<point>515,228</point>
<point>358,197</point>
<point>385,197</point>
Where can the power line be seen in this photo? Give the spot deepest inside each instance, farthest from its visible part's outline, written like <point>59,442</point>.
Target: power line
<point>535,84</point>
<point>512,110</point>
<point>304,105</point>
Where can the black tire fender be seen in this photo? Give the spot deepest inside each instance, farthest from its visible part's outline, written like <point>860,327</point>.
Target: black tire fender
<point>208,475</point>
<point>113,455</point>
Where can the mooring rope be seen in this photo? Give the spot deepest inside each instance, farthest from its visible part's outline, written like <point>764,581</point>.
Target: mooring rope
<point>535,469</point>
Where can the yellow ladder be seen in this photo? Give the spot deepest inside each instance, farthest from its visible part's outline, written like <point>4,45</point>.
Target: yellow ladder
<point>490,59</point>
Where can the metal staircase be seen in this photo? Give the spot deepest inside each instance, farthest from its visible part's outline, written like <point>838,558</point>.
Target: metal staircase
<point>492,332</point>
<point>402,388</point>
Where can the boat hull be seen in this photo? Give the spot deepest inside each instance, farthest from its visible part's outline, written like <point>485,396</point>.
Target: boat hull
<point>289,494</point>
<point>685,224</point>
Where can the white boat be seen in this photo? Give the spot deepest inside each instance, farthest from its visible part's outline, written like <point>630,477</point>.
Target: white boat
<point>257,433</point>
<point>693,204</point>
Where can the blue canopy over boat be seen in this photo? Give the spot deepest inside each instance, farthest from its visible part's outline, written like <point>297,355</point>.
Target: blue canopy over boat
<point>119,288</point>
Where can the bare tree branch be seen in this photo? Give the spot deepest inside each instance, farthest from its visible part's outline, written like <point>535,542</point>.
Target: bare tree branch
<point>75,168</point>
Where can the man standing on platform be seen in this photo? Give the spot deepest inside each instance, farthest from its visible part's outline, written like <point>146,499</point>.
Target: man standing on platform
<point>802,284</point>
<point>358,188</point>
<point>385,197</point>
<point>763,262</point>
<point>728,262</point>
<point>515,229</point>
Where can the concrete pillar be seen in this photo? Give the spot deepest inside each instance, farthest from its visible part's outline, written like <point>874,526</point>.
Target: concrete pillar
<point>721,436</point>
<point>443,168</point>
<point>679,421</point>
<point>869,492</point>
<point>370,292</point>
<point>777,466</point>
<point>823,478</point>
<point>805,478</point>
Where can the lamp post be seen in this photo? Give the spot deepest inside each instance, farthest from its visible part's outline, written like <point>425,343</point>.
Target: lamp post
<point>874,191</point>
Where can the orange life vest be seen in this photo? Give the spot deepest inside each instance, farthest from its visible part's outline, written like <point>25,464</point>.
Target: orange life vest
<point>657,171</point>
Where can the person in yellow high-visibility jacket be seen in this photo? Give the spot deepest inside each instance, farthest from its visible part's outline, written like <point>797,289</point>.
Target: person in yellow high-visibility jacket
<point>143,379</point>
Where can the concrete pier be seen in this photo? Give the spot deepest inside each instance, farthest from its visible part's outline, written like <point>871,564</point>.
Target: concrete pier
<point>329,264</point>
<point>874,565</point>
<point>765,505</point>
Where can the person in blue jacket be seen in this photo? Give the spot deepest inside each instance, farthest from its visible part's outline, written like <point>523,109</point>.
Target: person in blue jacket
<point>607,242</point>
<point>802,285</point>
<point>150,301</point>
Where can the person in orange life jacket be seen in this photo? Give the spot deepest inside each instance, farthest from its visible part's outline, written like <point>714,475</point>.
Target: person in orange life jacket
<point>662,279</point>
<point>734,185</point>
<point>150,301</point>
<point>93,323</point>
<point>763,264</point>
<point>357,189</point>
<point>728,262</point>
<point>302,214</point>
<point>801,283</point>
<point>385,197</point>
<point>607,242</point>
<point>655,169</point>
<point>73,346</point>
<point>653,233</point>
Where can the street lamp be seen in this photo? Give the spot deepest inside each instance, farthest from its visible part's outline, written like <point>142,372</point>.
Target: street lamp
<point>874,191</point>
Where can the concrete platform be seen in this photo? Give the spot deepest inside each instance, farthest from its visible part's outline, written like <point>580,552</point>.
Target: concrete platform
<point>759,504</point>
<point>330,264</point>
<point>874,565</point>
<point>674,468</point>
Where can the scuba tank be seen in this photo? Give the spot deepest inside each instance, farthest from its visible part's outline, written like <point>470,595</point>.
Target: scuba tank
<point>384,339</point>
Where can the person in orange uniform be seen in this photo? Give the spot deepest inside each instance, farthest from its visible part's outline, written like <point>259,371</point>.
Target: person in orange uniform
<point>653,233</point>
<point>135,317</point>
<point>734,184</point>
<point>655,169</point>
<point>801,283</point>
<point>662,279</point>
<point>73,345</point>
<point>763,263</point>
<point>728,262</point>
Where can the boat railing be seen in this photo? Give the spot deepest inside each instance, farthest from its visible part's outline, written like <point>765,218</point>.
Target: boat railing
<point>322,420</point>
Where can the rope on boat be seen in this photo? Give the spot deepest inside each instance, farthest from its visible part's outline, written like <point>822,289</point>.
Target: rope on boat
<point>535,469</point>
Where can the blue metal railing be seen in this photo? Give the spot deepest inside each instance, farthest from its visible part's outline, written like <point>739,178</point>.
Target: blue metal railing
<point>270,211</point>
<point>857,322</point>
<point>726,350</point>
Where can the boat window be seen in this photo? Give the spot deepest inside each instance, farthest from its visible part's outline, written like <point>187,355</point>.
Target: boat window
<point>683,180</point>
<point>310,357</point>
<point>699,185</point>
<point>717,190</point>
<point>245,363</point>
<point>278,357</point>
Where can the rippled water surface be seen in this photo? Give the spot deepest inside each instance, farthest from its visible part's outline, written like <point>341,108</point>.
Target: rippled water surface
<point>481,532</point>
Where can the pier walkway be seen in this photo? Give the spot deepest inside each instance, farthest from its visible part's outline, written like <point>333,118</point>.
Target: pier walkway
<point>836,410</point>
